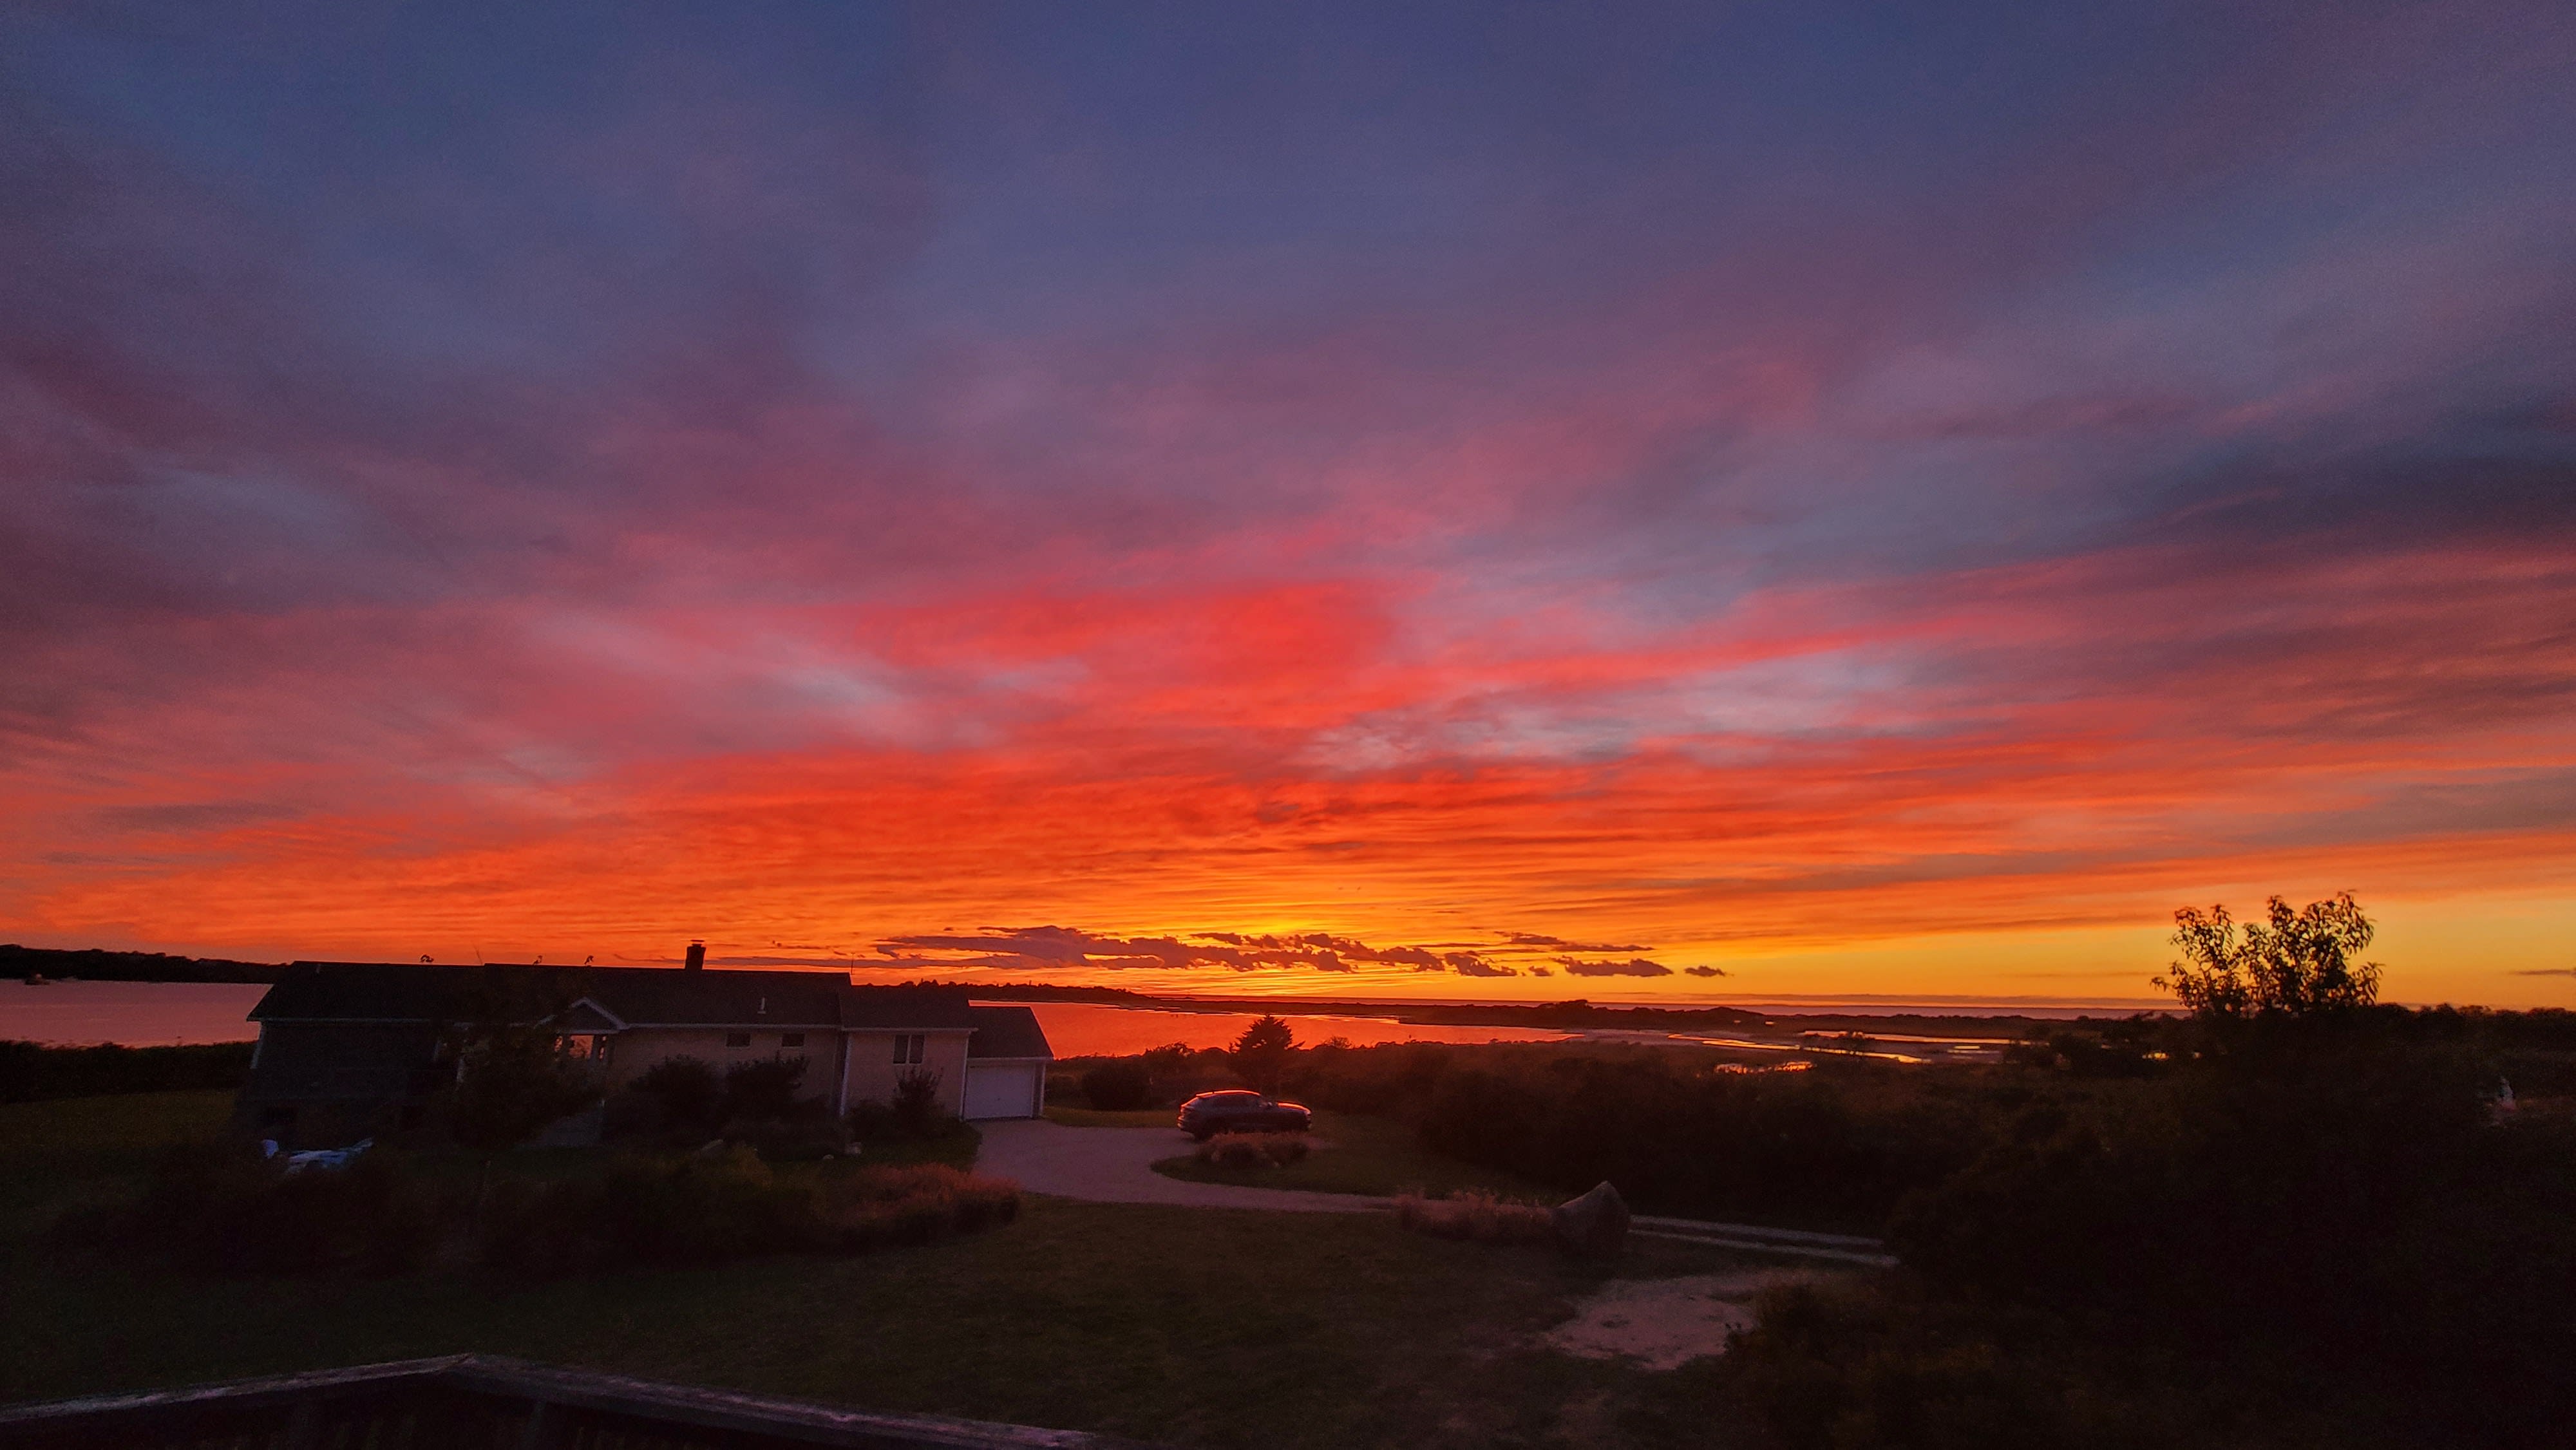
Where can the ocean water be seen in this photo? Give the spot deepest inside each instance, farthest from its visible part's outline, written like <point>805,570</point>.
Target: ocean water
<point>137,1014</point>
<point>1081,1029</point>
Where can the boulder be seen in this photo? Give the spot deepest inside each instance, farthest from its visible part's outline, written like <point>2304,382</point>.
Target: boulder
<point>1594,1225</point>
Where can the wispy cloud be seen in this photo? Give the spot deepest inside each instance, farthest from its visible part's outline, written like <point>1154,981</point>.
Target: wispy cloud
<point>1440,483</point>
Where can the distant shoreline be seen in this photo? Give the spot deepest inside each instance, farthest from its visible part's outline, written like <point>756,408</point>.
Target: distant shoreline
<point>1934,1014</point>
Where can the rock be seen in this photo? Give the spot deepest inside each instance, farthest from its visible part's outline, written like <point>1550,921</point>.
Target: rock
<point>1594,1225</point>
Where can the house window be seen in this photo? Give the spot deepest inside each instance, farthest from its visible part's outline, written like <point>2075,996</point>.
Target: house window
<point>592,1049</point>
<point>791,1039</point>
<point>737,1039</point>
<point>907,1048</point>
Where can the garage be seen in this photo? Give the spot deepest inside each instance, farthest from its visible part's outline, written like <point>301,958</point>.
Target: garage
<point>1002,1089</point>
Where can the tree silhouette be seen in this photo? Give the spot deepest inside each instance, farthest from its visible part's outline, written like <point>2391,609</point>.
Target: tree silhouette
<point>2301,964</point>
<point>1261,1053</point>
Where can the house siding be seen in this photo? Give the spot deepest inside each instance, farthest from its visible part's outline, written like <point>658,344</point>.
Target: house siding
<point>872,1072</point>
<point>323,1084</point>
<point>638,1049</point>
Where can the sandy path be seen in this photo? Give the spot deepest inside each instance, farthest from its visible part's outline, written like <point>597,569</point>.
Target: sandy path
<point>1662,1323</point>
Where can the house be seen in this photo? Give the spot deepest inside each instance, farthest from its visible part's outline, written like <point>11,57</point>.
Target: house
<point>347,1049</point>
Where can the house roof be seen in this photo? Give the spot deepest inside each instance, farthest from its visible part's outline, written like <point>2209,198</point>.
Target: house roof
<point>661,997</point>
<point>635,996</point>
<point>1006,1032</point>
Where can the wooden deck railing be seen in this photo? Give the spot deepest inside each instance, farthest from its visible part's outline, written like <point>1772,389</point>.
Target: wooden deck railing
<point>488,1401</point>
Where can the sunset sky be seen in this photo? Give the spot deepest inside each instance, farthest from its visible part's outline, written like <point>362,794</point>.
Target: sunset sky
<point>1376,501</point>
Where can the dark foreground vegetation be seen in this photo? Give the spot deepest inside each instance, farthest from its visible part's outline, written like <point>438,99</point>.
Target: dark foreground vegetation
<point>2294,1218</point>
<point>210,1209</point>
<point>1186,1327</point>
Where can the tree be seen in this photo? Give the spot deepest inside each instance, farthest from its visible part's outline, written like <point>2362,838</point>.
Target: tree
<point>1119,1085</point>
<point>513,1083</point>
<point>2299,965</point>
<point>1261,1053</point>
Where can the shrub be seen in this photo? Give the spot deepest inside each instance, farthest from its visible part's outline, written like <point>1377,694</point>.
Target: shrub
<point>688,1090</point>
<point>1120,1085</point>
<point>1834,1365</point>
<point>915,1203</point>
<point>1840,1143</point>
<point>713,1208</point>
<point>678,1100</point>
<point>514,1082</point>
<point>1476,1216</point>
<point>2348,1211</point>
<point>1233,1150</point>
<point>765,1089</point>
<point>221,1210</point>
<point>914,1116</point>
<point>790,1140</point>
<point>1253,1150</point>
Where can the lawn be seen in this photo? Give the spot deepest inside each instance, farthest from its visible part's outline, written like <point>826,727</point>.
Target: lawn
<point>1364,1155</point>
<point>77,1150</point>
<point>1186,1326</point>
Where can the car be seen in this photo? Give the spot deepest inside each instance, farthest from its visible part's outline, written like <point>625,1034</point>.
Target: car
<point>1239,1111</point>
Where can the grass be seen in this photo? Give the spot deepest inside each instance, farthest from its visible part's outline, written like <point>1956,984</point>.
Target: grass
<point>82,1150</point>
<point>1185,1326</point>
<point>1364,1155</point>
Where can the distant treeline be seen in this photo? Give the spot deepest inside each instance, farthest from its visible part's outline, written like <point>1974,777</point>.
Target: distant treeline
<point>1563,1016</point>
<point>95,965</point>
<point>31,1071</point>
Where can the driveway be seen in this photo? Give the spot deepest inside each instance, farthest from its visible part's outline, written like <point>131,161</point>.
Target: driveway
<point>1115,1165</point>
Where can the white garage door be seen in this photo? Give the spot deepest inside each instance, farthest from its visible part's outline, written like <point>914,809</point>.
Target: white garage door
<point>1001,1090</point>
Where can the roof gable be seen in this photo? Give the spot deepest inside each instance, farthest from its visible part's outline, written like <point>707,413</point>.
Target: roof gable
<point>587,1016</point>
<point>1007,1032</point>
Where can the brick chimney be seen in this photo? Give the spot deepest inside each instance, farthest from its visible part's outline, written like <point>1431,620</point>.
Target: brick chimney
<point>697,957</point>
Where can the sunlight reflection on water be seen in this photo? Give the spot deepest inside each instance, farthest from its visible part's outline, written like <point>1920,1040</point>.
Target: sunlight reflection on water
<point>1080,1029</point>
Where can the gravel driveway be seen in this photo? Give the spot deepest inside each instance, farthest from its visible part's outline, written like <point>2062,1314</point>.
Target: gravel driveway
<point>1115,1165</point>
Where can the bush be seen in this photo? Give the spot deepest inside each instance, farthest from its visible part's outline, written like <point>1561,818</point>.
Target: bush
<point>1120,1085</point>
<point>222,1210</point>
<point>1841,1143</point>
<point>1476,1216</point>
<point>914,1116</point>
<point>714,1208</point>
<point>791,1140</point>
<point>2343,1209</point>
<point>1253,1150</point>
<point>765,1090</point>
<point>513,1084</point>
<point>1838,1366</point>
<point>687,1089</point>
